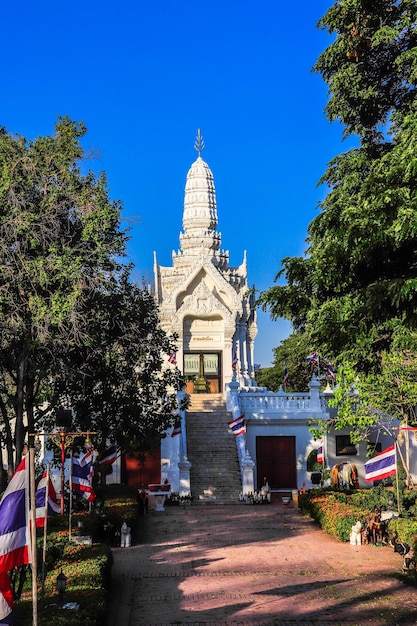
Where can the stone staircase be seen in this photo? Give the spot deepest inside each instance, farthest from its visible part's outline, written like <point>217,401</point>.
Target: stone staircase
<point>215,474</point>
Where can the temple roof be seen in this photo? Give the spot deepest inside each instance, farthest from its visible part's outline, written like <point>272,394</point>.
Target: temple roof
<point>200,211</point>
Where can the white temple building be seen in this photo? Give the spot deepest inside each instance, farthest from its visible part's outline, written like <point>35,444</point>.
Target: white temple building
<point>202,299</point>
<point>208,305</point>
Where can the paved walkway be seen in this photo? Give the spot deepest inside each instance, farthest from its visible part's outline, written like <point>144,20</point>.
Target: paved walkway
<point>253,565</point>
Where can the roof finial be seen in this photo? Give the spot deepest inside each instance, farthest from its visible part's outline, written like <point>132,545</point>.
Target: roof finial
<point>199,143</point>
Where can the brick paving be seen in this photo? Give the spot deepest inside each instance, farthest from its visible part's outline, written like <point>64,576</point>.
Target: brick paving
<point>215,565</point>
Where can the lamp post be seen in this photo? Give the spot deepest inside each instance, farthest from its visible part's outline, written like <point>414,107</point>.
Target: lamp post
<point>61,585</point>
<point>63,439</point>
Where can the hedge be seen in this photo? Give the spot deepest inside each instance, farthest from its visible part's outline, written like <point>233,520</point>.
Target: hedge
<point>336,511</point>
<point>87,568</point>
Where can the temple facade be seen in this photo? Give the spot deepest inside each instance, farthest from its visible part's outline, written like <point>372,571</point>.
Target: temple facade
<point>207,305</point>
<point>202,299</point>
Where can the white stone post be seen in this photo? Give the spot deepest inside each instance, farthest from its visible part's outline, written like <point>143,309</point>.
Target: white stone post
<point>233,403</point>
<point>184,467</point>
<point>314,386</point>
<point>184,464</point>
<point>248,468</point>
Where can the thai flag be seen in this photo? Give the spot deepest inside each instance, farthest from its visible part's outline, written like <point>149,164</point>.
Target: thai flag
<point>237,425</point>
<point>109,455</point>
<point>234,360</point>
<point>320,454</point>
<point>313,357</point>
<point>330,371</point>
<point>82,476</point>
<point>14,529</point>
<point>176,430</point>
<point>87,458</point>
<point>6,600</point>
<point>172,358</point>
<point>382,465</point>
<point>286,377</point>
<point>45,507</point>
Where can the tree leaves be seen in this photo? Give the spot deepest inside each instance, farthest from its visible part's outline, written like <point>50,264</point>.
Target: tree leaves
<point>75,330</point>
<point>354,294</point>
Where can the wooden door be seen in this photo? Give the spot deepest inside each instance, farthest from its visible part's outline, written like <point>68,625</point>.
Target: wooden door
<point>142,473</point>
<point>275,461</point>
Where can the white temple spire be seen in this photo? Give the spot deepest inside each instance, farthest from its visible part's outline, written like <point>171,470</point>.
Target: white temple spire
<point>200,210</point>
<point>199,144</point>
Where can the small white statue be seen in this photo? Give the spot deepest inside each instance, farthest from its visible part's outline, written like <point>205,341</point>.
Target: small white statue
<point>355,535</point>
<point>125,536</point>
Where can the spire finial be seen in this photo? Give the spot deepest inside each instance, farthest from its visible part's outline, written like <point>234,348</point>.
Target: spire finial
<point>199,143</point>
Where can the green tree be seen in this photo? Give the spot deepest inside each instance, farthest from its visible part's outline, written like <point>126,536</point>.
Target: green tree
<point>378,404</point>
<point>69,314</point>
<point>117,384</point>
<point>60,239</point>
<point>354,293</point>
<point>292,353</point>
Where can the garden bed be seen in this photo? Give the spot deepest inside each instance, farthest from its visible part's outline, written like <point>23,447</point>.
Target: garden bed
<point>337,511</point>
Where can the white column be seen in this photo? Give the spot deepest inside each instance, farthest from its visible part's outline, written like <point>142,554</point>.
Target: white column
<point>248,467</point>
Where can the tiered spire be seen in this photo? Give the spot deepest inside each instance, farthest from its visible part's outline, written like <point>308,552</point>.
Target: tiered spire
<point>200,211</point>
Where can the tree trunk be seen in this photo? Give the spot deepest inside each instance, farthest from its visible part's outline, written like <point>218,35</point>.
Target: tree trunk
<point>20,404</point>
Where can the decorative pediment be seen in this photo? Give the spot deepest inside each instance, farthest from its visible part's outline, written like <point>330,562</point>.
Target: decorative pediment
<point>203,303</point>
<point>205,281</point>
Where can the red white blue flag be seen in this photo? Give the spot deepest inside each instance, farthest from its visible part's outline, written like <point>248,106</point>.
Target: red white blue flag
<point>88,458</point>
<point>382,465</point>
<point>237,425</point>
<point>313,357</point>
<point>172,358</point>
<point>46,500</point>
<point>82,476</point>
<point>286,377</point>
<point>330,371</point>
<point>6,600</point>
<point>234,360</point>
<point>14,527</point>
<point>320,453</point>
<point>176,430</point>
<point>109,455</point>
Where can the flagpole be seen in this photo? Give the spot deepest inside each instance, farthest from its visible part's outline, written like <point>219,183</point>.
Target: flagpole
<point>397,477</point>
<point>326,458</point>
<point>70,500</point>
<point>403,461</point>
<point>45,531</point>
<point>33,534</point>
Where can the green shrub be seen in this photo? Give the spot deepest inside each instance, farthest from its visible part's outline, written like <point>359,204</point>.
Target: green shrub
<point>336,511</point>
<point>87,568</point>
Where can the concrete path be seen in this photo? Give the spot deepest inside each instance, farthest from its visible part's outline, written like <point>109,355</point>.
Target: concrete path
<point>253,565</point>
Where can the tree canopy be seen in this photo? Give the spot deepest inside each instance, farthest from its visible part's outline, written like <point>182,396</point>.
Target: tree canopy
<point>354,293</point>
<point>68,308</point>
<point>292,354</point>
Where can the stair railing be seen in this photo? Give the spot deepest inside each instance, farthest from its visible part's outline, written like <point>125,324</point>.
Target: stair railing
<point>246,464</point>
<point>184,464</point>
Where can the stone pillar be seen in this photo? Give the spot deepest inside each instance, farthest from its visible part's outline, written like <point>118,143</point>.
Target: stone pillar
<point>314,386</point>
<point>248,468</point>
<point>184,467</point>
<point>233,400</point>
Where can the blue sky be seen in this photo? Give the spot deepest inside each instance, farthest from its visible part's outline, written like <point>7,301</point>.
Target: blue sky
<point>145,75</point>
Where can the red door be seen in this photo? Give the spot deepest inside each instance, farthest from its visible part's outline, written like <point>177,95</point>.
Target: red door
<point>142,473</point>
<point>275,461</point>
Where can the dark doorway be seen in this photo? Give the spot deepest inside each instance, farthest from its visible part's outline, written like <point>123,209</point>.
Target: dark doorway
<point>275,461</point>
